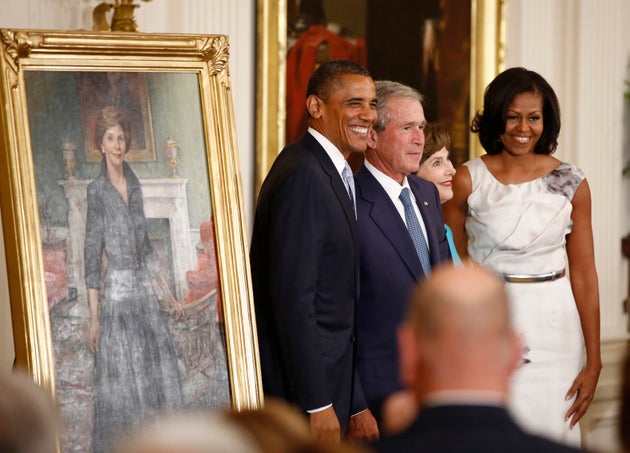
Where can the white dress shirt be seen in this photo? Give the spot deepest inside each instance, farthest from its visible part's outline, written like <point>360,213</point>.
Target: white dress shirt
<point>393,189</point>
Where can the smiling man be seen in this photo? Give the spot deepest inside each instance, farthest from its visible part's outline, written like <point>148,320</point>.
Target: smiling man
<point>401,234</point>
<point>305,256</point>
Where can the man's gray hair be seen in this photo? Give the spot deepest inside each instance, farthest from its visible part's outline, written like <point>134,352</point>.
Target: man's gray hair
<point>387,90</point>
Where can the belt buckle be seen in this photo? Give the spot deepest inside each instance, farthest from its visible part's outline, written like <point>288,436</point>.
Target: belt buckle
<point>549,276</point>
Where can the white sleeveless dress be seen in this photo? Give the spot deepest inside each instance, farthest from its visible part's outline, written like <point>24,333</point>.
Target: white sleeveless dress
<point>521,229</point>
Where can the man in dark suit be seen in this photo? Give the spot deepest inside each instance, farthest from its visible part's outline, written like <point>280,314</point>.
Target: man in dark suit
<point>304,257</point>
<point>458,350</point>
<point>390,264</point>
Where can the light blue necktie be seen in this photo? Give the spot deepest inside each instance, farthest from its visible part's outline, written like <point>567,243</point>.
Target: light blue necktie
<point>348,180</point>
<point>415,231</point>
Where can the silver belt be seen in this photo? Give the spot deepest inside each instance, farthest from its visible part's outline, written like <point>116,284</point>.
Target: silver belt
<point>525,278</point>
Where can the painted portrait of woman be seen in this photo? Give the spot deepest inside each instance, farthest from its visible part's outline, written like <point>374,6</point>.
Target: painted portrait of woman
<point>135,370</point>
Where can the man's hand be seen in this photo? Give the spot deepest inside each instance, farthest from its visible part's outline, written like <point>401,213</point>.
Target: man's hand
<point>325,425</point>
<point>363,427</point>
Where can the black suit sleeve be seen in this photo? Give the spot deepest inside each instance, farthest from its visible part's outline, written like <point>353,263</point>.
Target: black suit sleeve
<point>296,232</point>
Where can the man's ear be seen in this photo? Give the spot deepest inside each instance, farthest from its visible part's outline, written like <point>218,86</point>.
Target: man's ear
<point>372,138</point>
<point>314,106</point>
<point>408,354</point>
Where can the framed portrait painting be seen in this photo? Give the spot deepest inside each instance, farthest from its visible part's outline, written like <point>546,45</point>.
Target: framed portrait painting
<point>447,49</point>
<point>128,270</point>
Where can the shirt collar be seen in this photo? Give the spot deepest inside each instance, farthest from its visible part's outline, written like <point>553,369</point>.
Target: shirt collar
<point>333,152</point>
<point>464,397</point>
<point>391,186</point>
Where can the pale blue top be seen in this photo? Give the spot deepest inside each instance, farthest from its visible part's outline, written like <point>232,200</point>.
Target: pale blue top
<point>451,245</point>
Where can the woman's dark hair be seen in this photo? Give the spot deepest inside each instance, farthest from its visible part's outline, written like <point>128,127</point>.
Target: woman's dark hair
<point>436,137</point>
<point>489,123</point>
<point>109,117</point>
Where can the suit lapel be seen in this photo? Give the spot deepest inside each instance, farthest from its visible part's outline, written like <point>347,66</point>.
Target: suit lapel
<point>386,217</point>
<point>335,181</point>
<point>425,202</point>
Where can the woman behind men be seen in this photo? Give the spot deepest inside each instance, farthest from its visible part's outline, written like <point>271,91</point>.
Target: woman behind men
<point>136,369</point>
<point>436,166</point>
<point>525,214</point>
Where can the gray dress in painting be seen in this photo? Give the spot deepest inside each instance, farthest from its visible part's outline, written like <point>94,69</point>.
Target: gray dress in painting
<point>136,370</point>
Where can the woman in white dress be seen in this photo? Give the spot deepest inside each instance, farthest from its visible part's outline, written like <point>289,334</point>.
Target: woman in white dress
<point>527,216</point>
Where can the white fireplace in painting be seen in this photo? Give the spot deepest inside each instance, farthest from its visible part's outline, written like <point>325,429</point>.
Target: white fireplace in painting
<point>163,199</point>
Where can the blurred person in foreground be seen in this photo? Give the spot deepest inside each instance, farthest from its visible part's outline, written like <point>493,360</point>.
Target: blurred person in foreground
<point>279,427</point>
<point>458,350</point>
<point>187,432</point>
<point>275,427</point>
<point>29,420</point>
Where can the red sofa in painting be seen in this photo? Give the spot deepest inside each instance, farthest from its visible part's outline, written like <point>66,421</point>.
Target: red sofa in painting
<point>55,273</point>
<point>205,279</point>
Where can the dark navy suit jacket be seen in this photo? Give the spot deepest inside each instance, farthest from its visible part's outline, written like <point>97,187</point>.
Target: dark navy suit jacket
<point>390,269</point>
<point>304,260</point>
<point>467,429</point>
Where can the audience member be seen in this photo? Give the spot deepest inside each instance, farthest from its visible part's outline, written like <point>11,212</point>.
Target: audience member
<point>28,417</point>
<point>304,256</point>
<point>527,215</point>
<point>187,432</point>
<point>399,410</point>
<point>458,351</point>
<point>276,427</point>
<point>393,258</point>
<point>279,427</point>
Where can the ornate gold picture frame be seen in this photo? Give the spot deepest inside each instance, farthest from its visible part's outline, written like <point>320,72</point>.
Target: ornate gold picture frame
<point>192,204</point>
<point>487,40</point>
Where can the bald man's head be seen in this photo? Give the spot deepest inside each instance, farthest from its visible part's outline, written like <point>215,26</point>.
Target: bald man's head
<point>458,333</point>
<point>467,299</point>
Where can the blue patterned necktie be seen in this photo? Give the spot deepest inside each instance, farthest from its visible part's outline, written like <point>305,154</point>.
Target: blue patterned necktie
<point>348,180</point>
<point>415,231</point>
